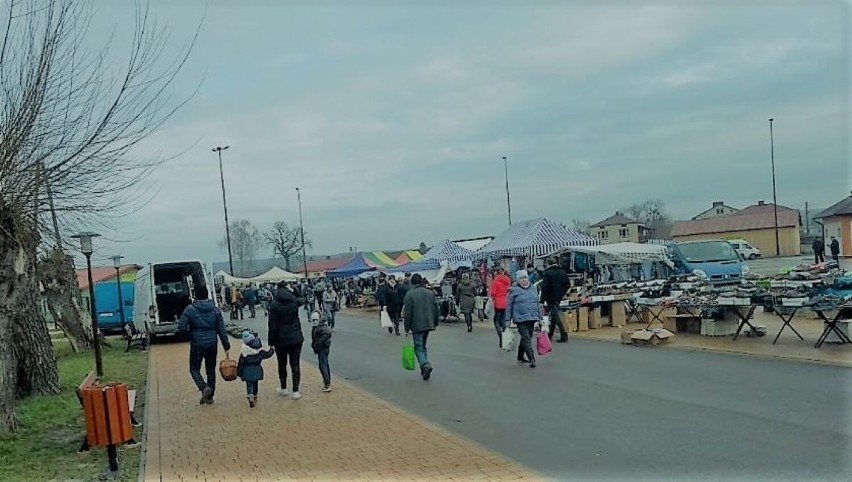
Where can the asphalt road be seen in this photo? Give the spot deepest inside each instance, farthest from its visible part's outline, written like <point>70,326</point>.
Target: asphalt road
<point>773,266</point>
<point>600,410</point>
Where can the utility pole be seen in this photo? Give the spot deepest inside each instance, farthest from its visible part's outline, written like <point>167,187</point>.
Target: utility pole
<point>774,195</point>
<point>225,204</point>
<point>508,199</point>
<point>302,232</point>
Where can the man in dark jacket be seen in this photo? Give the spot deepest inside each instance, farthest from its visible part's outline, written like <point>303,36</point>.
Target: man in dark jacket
<point>285,334</point>
<point>819,250</point>
<point>203,322</point>
<point>554,285</point>
<point>420,317</point>
<point>835,249</point>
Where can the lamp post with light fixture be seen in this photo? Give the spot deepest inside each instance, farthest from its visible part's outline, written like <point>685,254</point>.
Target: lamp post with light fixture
<point>116,263</point>
<point>87,249</point>
<point>219,150</point>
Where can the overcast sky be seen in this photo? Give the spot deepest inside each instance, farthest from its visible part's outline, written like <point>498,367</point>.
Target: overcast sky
<point>393,119</point>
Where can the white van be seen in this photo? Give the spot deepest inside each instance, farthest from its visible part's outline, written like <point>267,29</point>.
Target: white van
<point>744,249</point>
<point>163,291</point>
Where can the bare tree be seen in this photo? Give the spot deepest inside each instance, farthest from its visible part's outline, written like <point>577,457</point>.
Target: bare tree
<point>652,213</point>
<point>69,119</point>
<point>245,242</point>
<point>581,225</point>
<point>286,241</point>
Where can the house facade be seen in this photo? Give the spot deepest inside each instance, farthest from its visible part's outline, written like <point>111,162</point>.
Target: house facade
<point>619,228</point>
<point>837,222</point>
<point>719,208</point>
<point>755,224</point>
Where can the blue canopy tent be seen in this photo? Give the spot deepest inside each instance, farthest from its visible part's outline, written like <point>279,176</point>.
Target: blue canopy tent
<point>534,237</point>
<point>354,267</point>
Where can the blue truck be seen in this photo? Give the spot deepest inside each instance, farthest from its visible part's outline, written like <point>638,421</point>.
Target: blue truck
<point>106,305</point>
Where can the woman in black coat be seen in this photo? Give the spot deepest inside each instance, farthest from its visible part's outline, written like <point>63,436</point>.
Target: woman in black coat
<point>285,334</point>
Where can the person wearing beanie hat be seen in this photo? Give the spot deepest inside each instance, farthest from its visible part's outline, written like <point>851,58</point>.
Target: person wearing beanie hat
<point>420,317</point>
<point>321,344</point>
<point>249,367</point>
<point>522,309</point>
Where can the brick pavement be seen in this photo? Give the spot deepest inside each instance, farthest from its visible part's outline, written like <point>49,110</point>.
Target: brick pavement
<point>344,435</point>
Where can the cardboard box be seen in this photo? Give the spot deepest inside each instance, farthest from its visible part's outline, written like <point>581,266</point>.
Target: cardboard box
<point>595,318</point>
<point>569,320</point>
<point>651,337</point>
<point>625,336</point>
<point>583,319</point>
<point>618,315</point>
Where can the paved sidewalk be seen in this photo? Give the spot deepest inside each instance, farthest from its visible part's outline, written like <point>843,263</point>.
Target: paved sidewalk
<point>344,435</point>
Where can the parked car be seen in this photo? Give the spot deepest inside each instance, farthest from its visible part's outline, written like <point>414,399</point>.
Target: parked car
<point>745,250</point>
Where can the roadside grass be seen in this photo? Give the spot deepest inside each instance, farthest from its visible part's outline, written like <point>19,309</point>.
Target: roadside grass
<point>51,428</point>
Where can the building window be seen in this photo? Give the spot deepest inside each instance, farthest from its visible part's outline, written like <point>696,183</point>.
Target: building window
<point>603,234</point>
<point>622,233</point>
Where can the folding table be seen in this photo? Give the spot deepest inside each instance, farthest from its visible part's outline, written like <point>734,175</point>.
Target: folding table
<point>787,319</point>
<point>831,325</point>
<point>634,310</point>
<point>743,317</point>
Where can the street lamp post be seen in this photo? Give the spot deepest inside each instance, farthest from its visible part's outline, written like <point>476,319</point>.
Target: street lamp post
<point>774,196</point>
<point>225,204</point>
<point>508,200</point>
<point>116,263</point>
<point>86,247</point>
<point>302,232</point>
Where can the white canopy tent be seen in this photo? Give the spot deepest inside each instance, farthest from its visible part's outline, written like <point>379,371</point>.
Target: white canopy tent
<point>228,279</point>
<point>275,275</point>
<point>434,276</point>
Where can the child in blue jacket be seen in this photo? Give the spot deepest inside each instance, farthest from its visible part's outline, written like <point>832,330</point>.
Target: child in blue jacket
<point>248,367</point>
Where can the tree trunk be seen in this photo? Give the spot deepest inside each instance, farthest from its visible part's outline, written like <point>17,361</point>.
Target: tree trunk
<point>31,344</point>
<point>287,263</point>
<point>61,291</point>
<point>11,270</point>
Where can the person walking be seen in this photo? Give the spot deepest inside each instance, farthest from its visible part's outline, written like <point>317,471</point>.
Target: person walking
<point>285,335</point>
<point>420,318</point>
<point>203,322</point>
<point>466,295</point>
<point>329,304</point>
<point>835,249</point>
<point>251,300</point>
<point>499,291</point>
<point>393,297</point>
<point>249,367</point>
<point>321,344</point>
<point>554,285</point>
<point>319,289</point>
<point>522,309</point>
<point>819,250</point>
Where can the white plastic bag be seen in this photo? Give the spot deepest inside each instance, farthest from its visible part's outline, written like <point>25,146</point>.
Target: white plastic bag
<point>489,309</point>
<point>386,320</point>
<point>507,341</point>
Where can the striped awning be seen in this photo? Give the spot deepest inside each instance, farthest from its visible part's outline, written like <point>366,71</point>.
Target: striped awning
<point>378,259</point>
<point>534,237</point>
<point>447,250</point>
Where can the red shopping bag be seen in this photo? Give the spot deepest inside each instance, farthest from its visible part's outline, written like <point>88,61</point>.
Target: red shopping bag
<point>543,345</point>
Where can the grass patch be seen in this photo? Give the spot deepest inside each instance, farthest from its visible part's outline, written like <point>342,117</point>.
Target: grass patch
<point>50,428</point>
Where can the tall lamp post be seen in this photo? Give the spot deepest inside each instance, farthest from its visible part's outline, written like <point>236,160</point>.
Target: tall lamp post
<point>116,263</point>
<point>302,232</point>
<point>508,200</point>
<point>219,150</point>
<point>774,196</point>
<point>86,247</point>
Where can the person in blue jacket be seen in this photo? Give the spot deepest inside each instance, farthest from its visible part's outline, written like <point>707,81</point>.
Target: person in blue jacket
<point>249,367</point>
<point>202,322</point>
<point>522,308</point>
